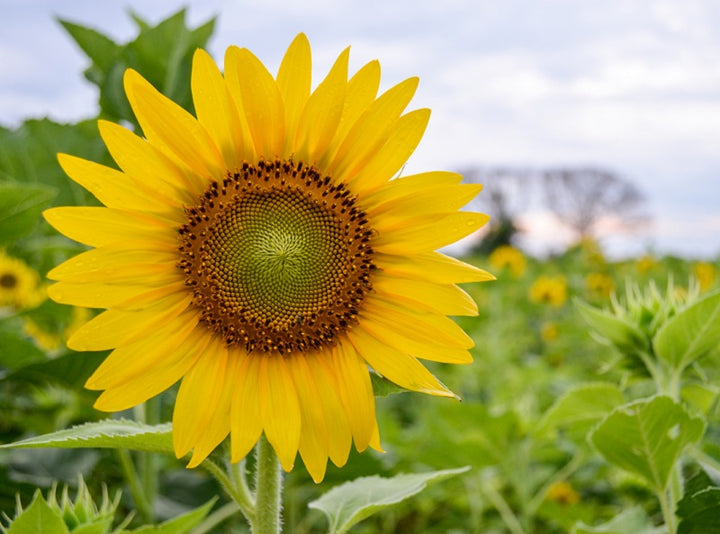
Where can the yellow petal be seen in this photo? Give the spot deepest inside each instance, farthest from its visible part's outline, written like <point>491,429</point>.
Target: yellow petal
<point>113,328</point>
<point>400,340</point>
<point>279,408</point>
<point>428,233</point>
<point>313,443</point>
<point>172,129</point>
<point>261,101</point>
<point>198,397</point>
<point>136,358</point>
<point>95,295</point>
<point>153,381</point>
<point>431,266</point>
<point>215,109</point>
<point>321,115</point>
<point>361,92</point>
<point>116,189</point>
<point>146,164</point>
<point>340,435</point>
<point>116,264</point>
<point>355,390</point>
<point>149,297</point>
<point>402,142</point>
<point>420,202</point>
<point>97,227</point>
<point>429,327</point>
<point>246,422</point>
<point>371,130</point>
<point>293,81</point>
<point>218,426</point>
<point>396,366</point>
<point>445,299</point>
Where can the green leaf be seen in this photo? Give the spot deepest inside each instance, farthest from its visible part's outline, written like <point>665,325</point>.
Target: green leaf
<point>71,369</point>
<point>690,334</point>
<point>647,437</point>
<point>624,336</point>
<point>20,209</point>
<point>699,509</point>
<point>382,387</point>
<point>350,503</point>
<point>38,517</point>
<point>583,404</point>
<point>16,350</point>
<point>178,525</point>
<point>99,48</point>
<point>107,434</point>
<point>632,521</point>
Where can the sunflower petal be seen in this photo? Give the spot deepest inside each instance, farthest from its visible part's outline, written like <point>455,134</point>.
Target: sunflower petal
<point>215,109</point>
<point>198,397</point>
<point>261,101</point>
<point>246,421</point>
<point>96,227</point>
<point>445,299</point>
<point>396,366</point>
<point>402,142</point>
<point>371,130</point>
<point>293,80</point>
<point>321,115</point>
<point>157,379</point>
<point>172,129</point>
<point>433,267</point>
<point>279,408</point>
<point>423,234</point>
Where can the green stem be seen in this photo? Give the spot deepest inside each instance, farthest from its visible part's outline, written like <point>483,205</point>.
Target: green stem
<point>149,461</point>
<point>667,511</point>
<point>268,490</point>
<point>508,516</point>
<point>217,517</point>
<point>241,495</point>
<point>136,489</point>
<point>561,475</point>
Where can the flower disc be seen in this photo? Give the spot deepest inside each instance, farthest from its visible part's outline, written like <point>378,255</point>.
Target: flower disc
<point>277,256</point>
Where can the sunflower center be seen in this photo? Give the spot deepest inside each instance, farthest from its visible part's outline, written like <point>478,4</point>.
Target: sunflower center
<point>278,257</point>
<point>8,280</point>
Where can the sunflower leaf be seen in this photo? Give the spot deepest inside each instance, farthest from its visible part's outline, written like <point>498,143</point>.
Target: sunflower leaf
<point>20,208</point>
<point>691,334</point>
<point>350,503</point>
<point>107,434</point>
<point>177,525</point>
<point>632,521</point>
<point>647,437</point>
<point>38,517</point>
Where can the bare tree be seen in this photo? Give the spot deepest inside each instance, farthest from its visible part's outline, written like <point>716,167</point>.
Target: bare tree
<point>581,197</point>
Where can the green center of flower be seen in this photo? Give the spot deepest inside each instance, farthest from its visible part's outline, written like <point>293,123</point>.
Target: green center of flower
<point>8,280</point>
<point>277,256</point>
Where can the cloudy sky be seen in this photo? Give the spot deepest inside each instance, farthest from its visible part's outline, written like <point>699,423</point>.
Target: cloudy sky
<point>629,85</point>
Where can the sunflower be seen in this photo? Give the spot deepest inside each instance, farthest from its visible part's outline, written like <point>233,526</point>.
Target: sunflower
<point>549,290</point>
<point>264,254</point>
<point>19,284</point>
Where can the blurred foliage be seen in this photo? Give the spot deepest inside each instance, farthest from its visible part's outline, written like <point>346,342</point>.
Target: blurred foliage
<point>553,366</point>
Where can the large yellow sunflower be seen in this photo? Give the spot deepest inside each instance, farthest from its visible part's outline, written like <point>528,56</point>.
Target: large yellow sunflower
<point>263,253</point>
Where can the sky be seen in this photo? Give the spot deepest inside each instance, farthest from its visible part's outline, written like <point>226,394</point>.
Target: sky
<point>628,85</point>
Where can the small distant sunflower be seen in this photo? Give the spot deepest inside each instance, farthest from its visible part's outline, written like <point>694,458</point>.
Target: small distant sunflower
<point>705,273</point>
<point>19,284</point>
<point>263,254</point>
<point>549,290</point>
<point>646,264</point>
<point>510,258</point>
<point>599,284</point>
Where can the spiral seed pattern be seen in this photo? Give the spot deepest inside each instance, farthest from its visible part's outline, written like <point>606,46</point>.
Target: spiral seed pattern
<point>277,256</point>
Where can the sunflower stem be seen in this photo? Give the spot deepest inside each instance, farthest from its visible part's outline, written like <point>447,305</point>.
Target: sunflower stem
<point>268,492</point>
<point>136,489</point>
<point>241,495</point>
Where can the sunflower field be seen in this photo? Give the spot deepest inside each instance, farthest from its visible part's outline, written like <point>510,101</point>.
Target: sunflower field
<point>572,393</point>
